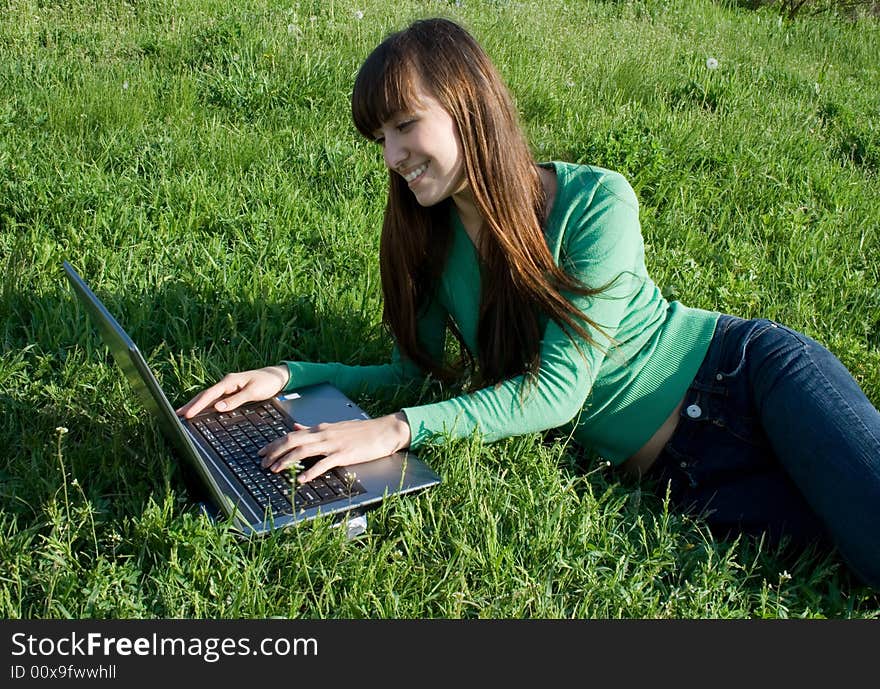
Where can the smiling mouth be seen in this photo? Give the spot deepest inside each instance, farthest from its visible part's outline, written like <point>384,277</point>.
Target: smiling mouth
<point>415,174</point>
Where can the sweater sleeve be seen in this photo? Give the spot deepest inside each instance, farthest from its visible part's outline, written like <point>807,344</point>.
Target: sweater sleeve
<point>602,245</point>
<point>357,380</point>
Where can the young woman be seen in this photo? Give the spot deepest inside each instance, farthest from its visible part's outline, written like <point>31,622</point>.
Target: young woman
<point>539,272</point>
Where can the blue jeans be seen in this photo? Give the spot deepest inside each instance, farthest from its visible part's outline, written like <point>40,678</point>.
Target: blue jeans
<point>776,437</point>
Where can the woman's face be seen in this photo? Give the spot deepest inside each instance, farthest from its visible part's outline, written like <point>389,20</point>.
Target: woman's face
<point>422,146</point>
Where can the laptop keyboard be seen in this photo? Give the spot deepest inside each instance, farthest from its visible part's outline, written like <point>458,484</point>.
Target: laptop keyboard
<point>236,437</point>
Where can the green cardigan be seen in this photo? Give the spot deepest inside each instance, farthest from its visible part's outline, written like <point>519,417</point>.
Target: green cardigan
<point>614,396</point>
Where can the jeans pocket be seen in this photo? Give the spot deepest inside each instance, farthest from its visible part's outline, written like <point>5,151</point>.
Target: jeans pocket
<point>719,429</point>
<point>735,346</point>
<point>722,394</point>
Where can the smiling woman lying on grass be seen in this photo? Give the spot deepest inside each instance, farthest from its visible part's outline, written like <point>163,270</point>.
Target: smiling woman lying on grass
<point>538,270</point>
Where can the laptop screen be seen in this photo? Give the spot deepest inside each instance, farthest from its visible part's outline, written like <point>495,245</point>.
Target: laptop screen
<point>131,361</point>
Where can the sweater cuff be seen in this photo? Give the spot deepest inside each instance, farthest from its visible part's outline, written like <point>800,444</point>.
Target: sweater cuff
<point>304,373</point>
<point>423,425</point>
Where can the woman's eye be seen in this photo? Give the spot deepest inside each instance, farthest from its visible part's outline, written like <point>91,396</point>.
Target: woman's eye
<point>403,126</point>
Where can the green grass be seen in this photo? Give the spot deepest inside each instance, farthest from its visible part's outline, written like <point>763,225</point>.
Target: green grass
<point>195,160</point>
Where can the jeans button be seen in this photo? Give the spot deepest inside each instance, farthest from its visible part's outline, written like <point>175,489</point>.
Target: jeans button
<point>694,411</point>
<point>683,465</point>
<point>718,376</point>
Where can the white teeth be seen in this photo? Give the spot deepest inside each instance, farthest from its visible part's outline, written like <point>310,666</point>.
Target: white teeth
<point>415,173</point>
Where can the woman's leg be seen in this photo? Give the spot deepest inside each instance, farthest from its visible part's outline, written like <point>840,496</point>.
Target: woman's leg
<point>777,437</point>
<point>826,434</point>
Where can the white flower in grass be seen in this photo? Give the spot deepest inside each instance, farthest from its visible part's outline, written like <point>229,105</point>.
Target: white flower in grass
<point>292,28</point>
<point>358,15</point>
<point>711,63</point>
<point>125,86</point>
<point>60,430</point>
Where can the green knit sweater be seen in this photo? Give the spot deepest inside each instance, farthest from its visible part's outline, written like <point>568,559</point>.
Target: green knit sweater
<point>614,396</point>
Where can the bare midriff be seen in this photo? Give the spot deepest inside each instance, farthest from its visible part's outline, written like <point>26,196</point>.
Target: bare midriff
<point>638,464</point>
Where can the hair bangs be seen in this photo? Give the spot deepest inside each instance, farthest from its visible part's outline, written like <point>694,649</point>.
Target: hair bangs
<point>385,85</point>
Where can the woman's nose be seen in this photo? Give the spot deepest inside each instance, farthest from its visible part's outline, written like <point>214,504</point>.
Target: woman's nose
<point>394,152</point>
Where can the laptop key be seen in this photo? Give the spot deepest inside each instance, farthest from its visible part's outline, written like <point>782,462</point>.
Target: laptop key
<point>308,494</point>
<point>324,492</point>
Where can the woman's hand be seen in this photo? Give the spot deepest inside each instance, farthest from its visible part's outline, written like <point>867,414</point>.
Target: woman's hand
<point>234,389</point>
<point>339,444</point>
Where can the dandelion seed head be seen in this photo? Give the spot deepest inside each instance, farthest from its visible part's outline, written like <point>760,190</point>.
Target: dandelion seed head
<point>125,86</point>
<point>711,63</point>
<point>358,15</point>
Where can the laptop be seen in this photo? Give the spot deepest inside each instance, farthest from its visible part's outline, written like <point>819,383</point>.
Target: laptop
<point>219,449</point>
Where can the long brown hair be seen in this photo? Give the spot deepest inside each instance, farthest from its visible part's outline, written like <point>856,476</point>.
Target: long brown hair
<point>520,279</point>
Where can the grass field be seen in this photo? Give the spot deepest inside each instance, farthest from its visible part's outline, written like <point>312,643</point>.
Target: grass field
<point>195,160</point>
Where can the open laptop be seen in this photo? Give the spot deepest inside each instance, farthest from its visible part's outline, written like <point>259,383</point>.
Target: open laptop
<point>220,448</point>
